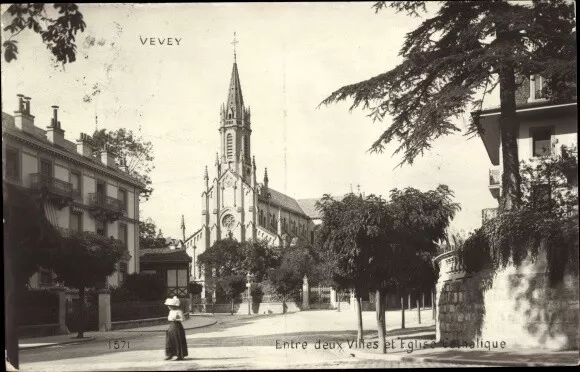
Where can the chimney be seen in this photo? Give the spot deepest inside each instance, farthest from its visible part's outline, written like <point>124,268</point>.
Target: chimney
<point>22,118</point>
<point>84,145</point>
<point>123,165</point>
<point>54,133</point>
<point>107,156</point>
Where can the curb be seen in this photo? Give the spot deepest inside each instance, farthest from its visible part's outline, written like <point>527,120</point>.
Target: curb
<point>87,339</point>
<point>81,340</point>
<point>163,330</point>
<point>462,361</point>
<point>491,363</point>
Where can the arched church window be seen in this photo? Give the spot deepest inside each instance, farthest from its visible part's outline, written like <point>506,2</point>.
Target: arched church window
<point>229,146</point>
<point>246,147</point>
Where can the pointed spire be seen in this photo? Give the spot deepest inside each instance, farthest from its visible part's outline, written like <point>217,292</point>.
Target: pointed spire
<point>205,175</point>
<point>217,159</point>
<point>235,103</point>
<point>266,176</point>
<point>254,163</point>
<point>183,227</point>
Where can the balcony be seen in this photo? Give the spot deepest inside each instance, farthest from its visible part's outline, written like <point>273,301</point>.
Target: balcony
<point>488,213</point>
<point>57,191</point>
<point>494,182</point>
<point>105,207</point>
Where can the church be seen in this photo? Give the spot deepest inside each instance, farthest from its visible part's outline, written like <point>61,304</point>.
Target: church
<point>234,204</point>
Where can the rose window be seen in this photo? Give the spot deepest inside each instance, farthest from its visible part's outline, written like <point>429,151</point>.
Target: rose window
<point>228,222</point>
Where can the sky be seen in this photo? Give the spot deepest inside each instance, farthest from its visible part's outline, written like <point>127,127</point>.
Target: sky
<point>290,57</point>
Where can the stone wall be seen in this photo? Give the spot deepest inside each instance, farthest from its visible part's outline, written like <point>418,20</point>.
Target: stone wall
<point>515,306</point>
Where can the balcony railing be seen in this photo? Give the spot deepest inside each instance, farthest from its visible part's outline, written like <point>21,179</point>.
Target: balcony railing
<point>40,181</point>
<point>102,201</point>
<point>58,191</point>
<point>488,213</point>
<point>494,177</point>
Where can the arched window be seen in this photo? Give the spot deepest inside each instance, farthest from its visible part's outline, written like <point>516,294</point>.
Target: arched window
<point>229,146</point>
<point>247,147</point>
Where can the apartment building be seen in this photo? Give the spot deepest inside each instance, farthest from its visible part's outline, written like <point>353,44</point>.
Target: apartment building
<point>544,128</point>
<point>83,189</point>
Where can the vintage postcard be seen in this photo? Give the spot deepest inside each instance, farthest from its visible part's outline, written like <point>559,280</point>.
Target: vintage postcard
<point>282,185</point>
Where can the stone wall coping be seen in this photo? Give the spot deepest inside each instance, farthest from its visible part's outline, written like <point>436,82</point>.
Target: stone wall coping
<point>33,326</point>
<point>444,255</point>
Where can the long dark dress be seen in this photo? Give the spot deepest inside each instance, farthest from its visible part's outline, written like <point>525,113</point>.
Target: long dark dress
<point>175,342</point>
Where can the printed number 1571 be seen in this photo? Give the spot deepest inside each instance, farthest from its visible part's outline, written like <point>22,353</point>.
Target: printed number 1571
<point>118,344</point>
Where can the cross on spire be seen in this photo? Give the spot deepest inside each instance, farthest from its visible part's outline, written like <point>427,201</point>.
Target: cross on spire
<point>234,44</point>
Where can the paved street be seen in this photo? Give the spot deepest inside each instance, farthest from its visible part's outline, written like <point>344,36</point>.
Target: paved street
<point>234,342</point>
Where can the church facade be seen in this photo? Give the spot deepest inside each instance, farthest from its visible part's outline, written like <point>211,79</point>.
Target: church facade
<point>234,204</point>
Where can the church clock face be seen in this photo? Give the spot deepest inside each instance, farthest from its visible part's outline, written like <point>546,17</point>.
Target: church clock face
<point>228,221</point>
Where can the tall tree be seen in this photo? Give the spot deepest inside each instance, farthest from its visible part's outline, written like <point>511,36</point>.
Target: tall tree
<point>83,260</point>
<point>466,48</point>
<point>296,263</point>
<point>352,230</point>
<point>148,236</point>
<point>420,221</point>
<point>224,257</point>
<point>258,258</point>
<point>57,33</point>
<point>133,150</point>
<point>31,234</point>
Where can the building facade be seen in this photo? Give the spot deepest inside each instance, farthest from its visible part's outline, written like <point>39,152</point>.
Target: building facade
<point>515,304</point>
<point>171,262</point>
<point>544,127</point>
<point>82,188</point>
<point>234,204</point>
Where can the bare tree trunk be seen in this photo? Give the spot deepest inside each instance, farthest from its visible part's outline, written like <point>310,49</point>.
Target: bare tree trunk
<point>359,334</point>
<point>232,306</point>
<point>381,326</point>
<point>509,128</point>
<point>402,312</point>
<point>81,312</point>
<point>418,310</point>
<point>433,302</point>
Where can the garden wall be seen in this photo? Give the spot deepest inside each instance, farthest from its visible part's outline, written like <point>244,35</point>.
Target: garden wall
<point>514,306</point>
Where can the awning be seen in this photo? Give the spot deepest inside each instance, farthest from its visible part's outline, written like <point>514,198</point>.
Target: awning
<point>24,218</point>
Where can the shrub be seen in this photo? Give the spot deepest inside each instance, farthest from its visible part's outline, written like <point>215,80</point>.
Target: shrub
<point>140,287</point>
<point>194,288</point>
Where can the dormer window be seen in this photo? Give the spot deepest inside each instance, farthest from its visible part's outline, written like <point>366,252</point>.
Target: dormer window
<point>537,85</point>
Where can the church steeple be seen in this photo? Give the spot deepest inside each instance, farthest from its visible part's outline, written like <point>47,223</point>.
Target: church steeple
<point>235,105</point>
<point>235,127</point>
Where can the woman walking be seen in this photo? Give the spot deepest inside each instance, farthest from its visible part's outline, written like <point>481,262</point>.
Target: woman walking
<point>175,342</point>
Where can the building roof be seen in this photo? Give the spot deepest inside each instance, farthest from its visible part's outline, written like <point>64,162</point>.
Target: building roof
<point>523,106</point>
<point>309,206</point>
<point>69,148</point>
<point>163,255</point>
<point>284,201</point>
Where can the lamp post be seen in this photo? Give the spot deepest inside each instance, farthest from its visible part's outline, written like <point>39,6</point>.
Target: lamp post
<point>248,277</point>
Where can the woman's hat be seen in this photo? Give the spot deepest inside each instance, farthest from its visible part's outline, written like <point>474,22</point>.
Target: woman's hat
<point>172,301</point>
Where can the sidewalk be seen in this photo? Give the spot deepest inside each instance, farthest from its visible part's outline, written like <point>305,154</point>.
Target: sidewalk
<point>419,346</point>
<point>40,342</point>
